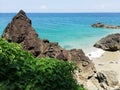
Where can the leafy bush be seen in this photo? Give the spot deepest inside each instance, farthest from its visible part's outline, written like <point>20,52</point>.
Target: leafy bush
<point>20,70</point>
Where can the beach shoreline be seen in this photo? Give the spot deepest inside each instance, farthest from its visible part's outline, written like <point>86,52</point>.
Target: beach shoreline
<point>108,64</point>
<point>108,61</point>
<point>95,53</point>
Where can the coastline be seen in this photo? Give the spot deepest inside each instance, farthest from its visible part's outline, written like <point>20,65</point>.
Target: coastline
<point>107,63</point>
<point>95,53</point>
<point>99,59</point>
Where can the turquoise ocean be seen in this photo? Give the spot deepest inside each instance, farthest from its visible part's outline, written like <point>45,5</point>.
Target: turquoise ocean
<point>71,30</point>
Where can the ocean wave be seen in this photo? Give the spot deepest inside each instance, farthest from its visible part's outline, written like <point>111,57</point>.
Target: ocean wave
<point>96,54</point>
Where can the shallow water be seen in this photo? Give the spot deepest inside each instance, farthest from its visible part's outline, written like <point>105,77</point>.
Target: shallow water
<point>71,30</point>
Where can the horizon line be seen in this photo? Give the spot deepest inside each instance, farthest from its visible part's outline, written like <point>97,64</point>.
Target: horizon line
<point>61,12</point>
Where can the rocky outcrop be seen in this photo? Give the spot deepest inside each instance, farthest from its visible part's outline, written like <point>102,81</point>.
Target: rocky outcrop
<point>78,56</point>
<point>109,43</point>
<point>20,30</point>
<point>108,80</point>
<point>98,25</point>
<point>101,25</point>
<point>108,77</point>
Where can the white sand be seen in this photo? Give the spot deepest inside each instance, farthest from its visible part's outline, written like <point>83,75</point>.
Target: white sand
<point>109,61</point>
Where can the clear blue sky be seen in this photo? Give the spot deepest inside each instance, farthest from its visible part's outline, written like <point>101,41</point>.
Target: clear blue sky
<point>60,5</point>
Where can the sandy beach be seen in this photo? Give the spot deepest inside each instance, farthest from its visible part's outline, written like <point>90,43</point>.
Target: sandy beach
<point>109,61</point>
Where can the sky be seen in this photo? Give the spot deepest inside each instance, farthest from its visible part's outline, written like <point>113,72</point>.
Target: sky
<point>56,6</point>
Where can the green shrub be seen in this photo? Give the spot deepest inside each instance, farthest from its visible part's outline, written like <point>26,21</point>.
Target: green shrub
<point>20,70</point>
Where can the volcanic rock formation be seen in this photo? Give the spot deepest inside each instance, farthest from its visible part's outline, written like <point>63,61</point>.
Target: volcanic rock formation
<point>20,30</point>
<point>109,43</point>
<point>101,25</point>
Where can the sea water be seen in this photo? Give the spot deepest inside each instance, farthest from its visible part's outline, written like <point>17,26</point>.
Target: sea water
<point>71,30</point>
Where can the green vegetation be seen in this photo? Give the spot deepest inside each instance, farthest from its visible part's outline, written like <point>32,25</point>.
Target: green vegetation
<point>20,70</point>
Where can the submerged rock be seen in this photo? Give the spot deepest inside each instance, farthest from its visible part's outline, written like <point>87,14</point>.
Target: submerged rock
<point>101,25</point>
<point>109,43</point>
<point>20,30</point>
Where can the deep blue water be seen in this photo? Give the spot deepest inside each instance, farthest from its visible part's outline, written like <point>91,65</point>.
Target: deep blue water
<point>71,30</point>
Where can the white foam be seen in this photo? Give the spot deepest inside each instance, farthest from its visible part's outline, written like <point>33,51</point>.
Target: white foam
<point>96,54</point>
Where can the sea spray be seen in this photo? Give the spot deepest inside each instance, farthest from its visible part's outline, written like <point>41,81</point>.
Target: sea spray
<point>96,54</point>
